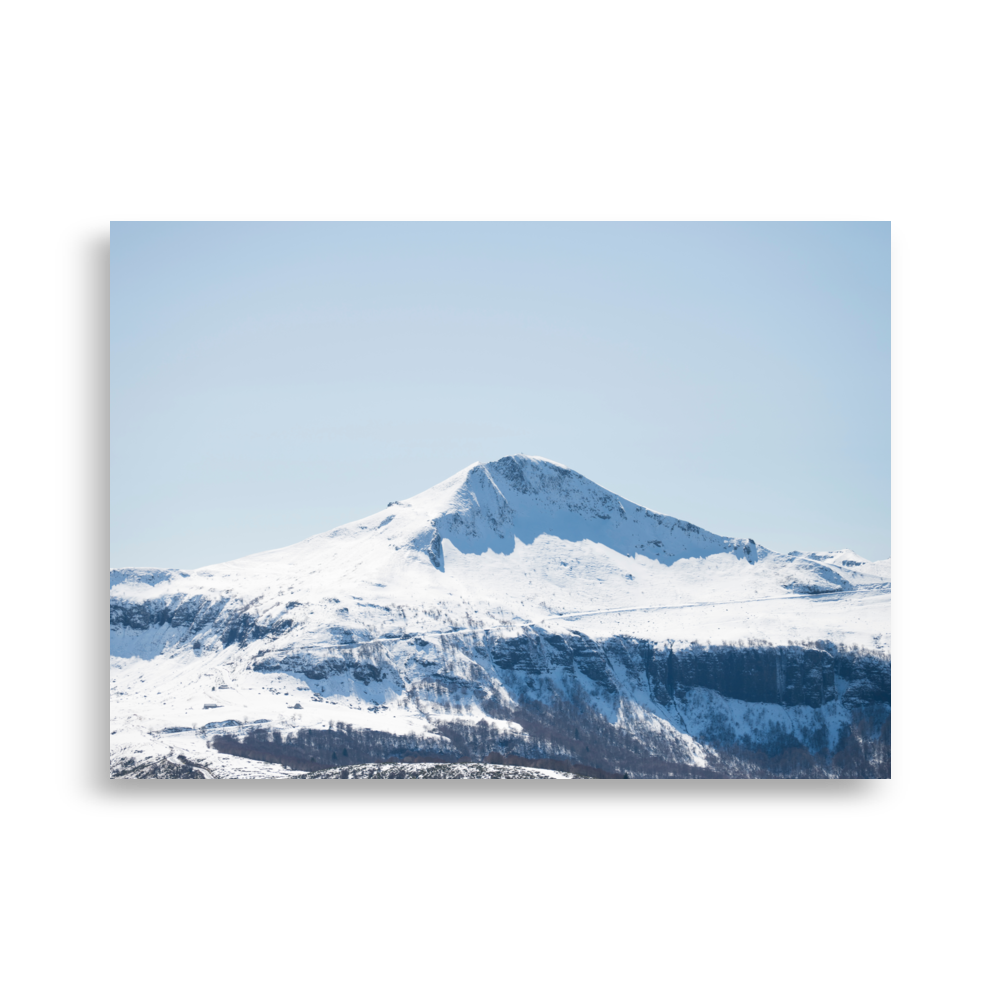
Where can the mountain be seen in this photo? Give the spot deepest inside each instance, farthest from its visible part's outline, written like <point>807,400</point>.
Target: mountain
<point>516,611</point>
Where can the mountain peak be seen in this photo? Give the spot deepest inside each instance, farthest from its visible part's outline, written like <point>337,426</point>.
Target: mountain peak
<point>496,506</point>
<point>488,505</point>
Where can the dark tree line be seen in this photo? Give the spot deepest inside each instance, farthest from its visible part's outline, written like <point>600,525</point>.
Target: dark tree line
<point>319,749</point>
<point>565,735</point>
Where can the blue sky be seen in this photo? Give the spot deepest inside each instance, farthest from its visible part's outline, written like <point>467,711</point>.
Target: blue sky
<point>273,380</point>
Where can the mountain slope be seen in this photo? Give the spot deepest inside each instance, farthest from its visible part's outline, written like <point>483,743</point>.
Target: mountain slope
<point>512,582</point>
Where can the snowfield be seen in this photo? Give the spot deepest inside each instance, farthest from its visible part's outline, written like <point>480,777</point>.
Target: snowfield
<point>513,582</point>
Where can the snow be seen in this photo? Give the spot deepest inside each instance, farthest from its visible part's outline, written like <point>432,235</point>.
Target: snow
<point>133,746</point>
<point>498,547</point>
<point>503,772</point>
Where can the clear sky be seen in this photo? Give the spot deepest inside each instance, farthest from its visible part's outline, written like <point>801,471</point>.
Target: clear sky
<point>273,380</point>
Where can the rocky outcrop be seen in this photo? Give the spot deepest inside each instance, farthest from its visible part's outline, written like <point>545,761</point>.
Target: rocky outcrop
<point>229,622</point>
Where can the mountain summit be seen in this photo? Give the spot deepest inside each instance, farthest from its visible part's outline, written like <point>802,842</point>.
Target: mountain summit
<point>486,507</point>
<point>491,507</point>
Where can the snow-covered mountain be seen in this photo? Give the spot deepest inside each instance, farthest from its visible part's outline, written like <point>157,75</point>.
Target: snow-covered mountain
<point>514,592</point>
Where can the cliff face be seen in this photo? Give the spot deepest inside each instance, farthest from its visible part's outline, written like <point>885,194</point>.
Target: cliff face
<point>620,703</point>
<point>473,670</point>
<point>782,675</point>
